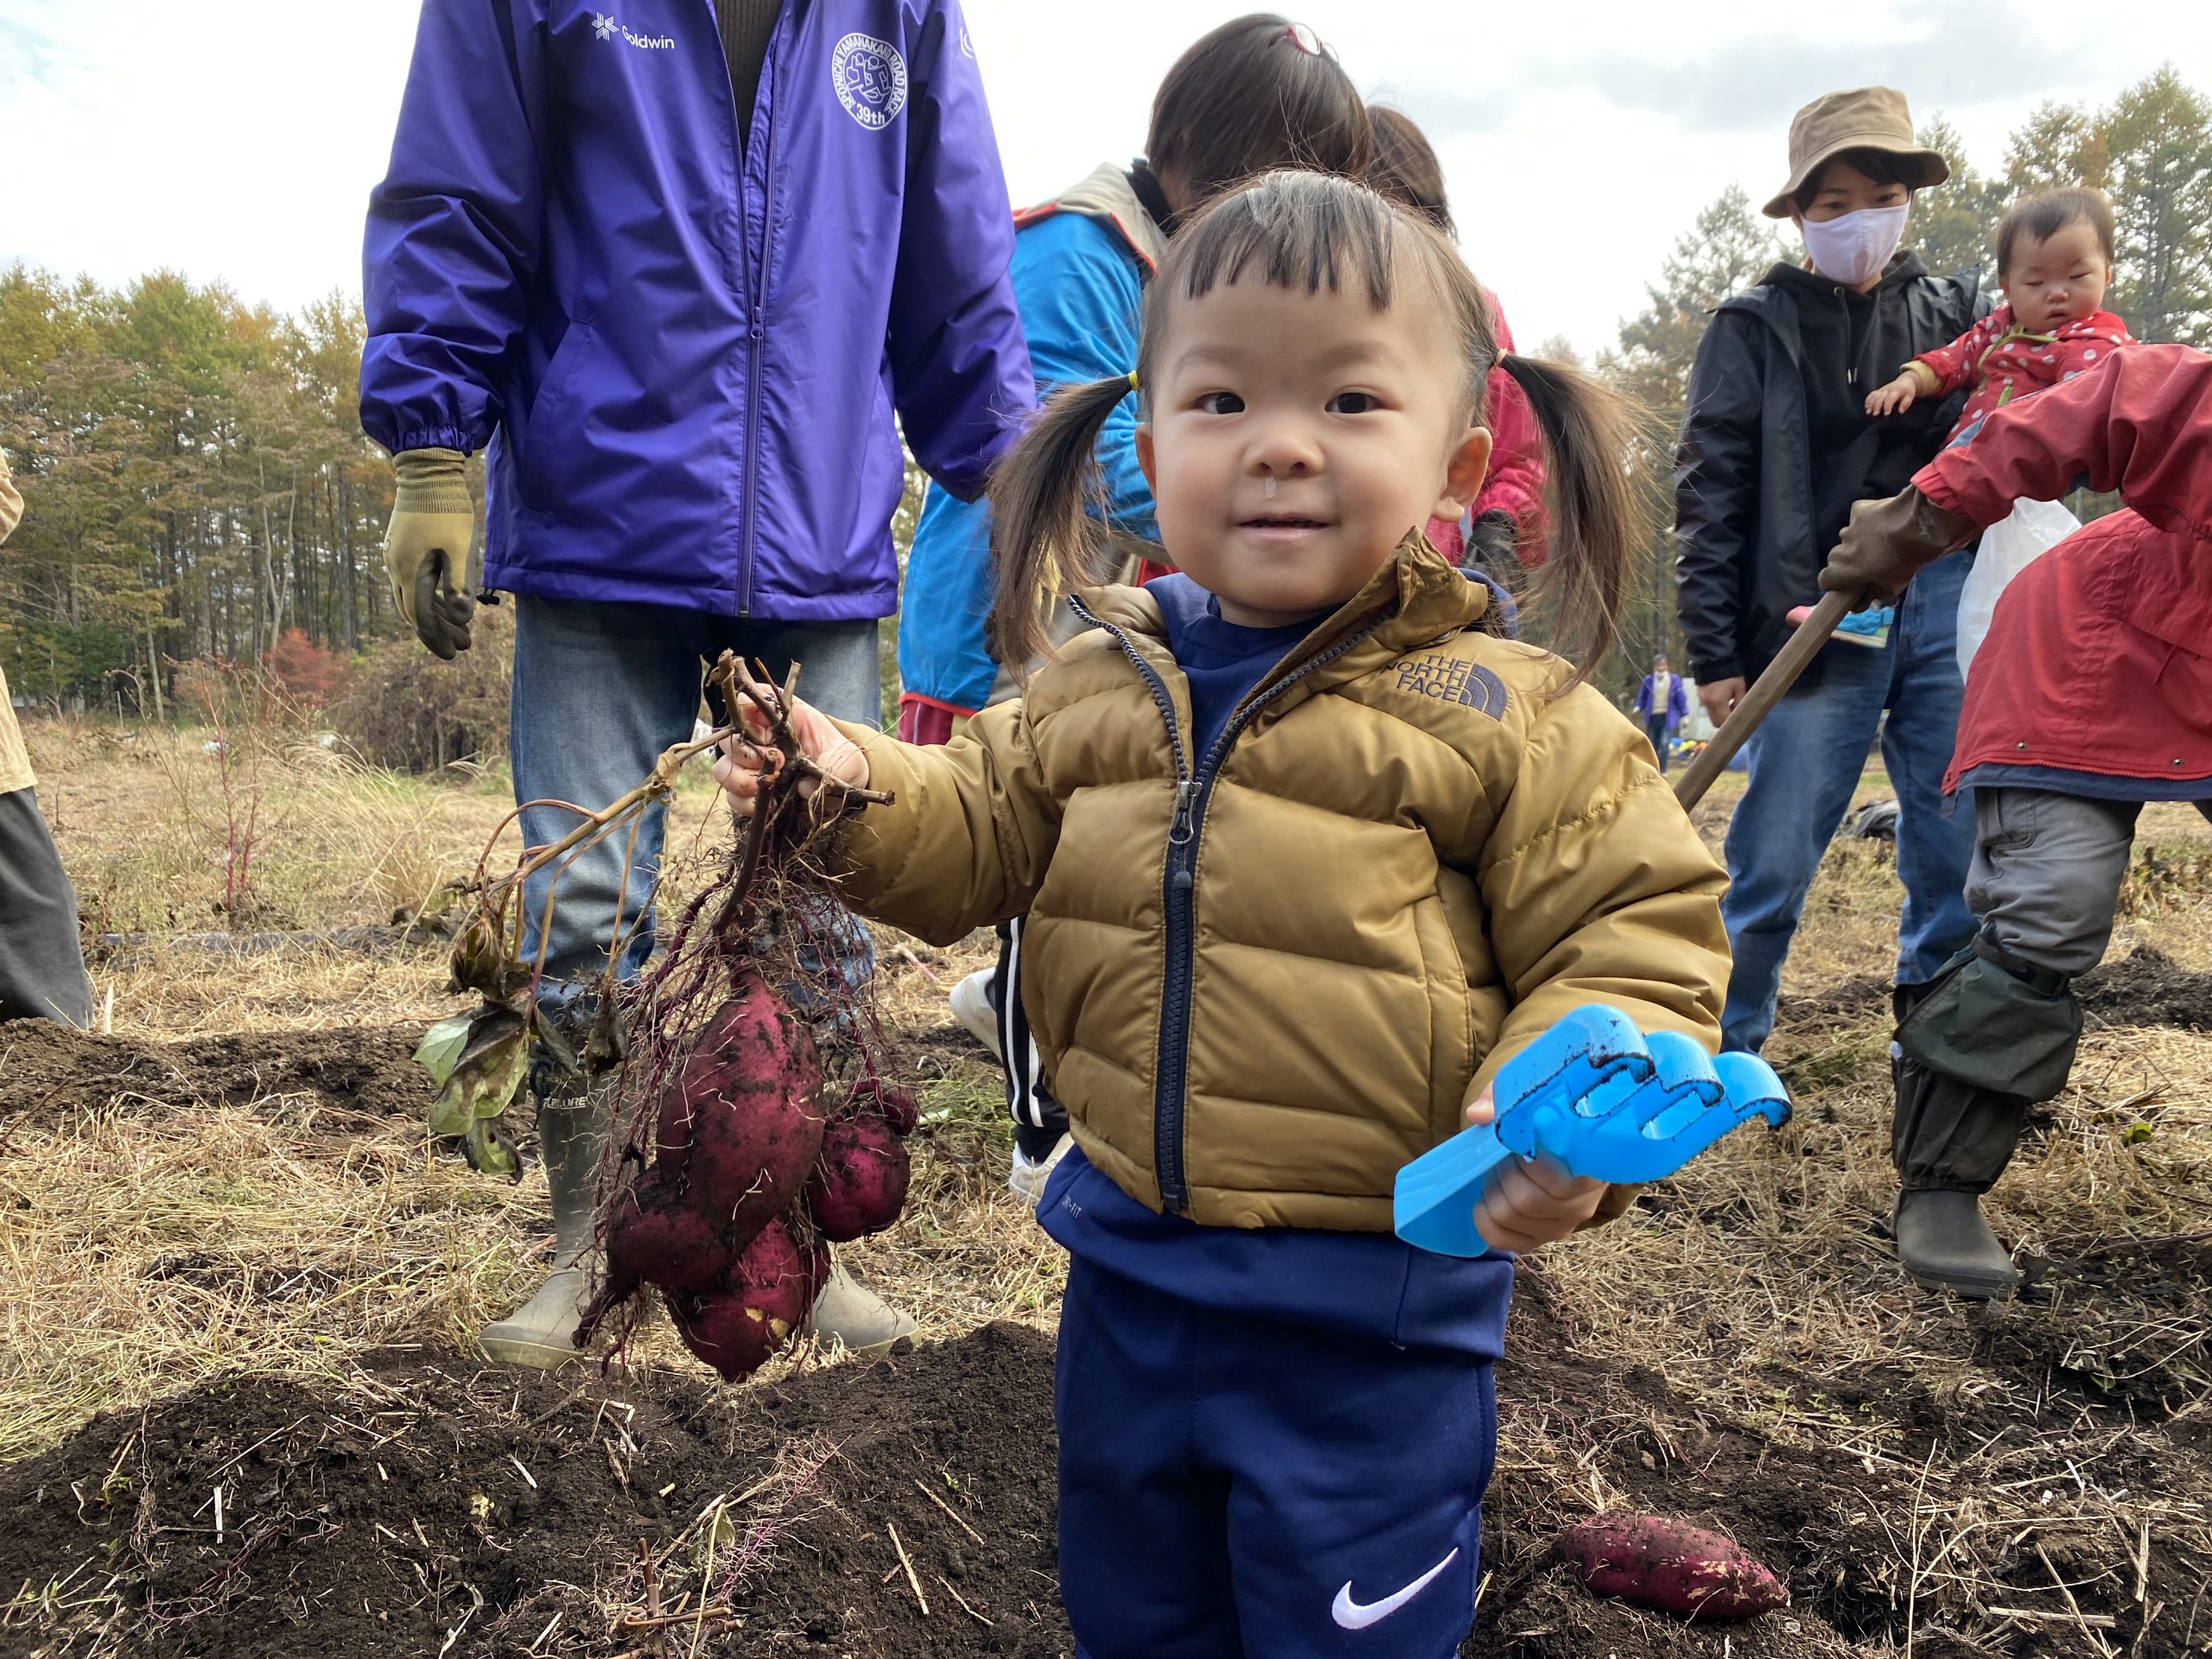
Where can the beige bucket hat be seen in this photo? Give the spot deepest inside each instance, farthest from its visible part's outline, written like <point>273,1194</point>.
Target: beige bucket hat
<point>1865,118</point>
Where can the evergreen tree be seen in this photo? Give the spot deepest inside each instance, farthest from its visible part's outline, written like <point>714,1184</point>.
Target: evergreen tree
<point>195,483</point>
<point>2059,145</point>
<point>2159,137</point>
<point>1955,224</point>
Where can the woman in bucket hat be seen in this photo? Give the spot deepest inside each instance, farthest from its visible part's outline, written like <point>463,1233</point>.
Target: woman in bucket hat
<point>1775,446</point>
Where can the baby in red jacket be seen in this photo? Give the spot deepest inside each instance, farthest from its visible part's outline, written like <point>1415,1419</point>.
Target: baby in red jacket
<point>2054,261</point>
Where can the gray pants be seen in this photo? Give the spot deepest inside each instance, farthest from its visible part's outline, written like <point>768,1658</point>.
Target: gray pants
<point>42,967</point>
<point>1995,1032</point>
<point>2044,885</point>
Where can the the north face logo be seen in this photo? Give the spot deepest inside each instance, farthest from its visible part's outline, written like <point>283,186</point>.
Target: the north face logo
<point>871,80</point>
<point>1452,680</point>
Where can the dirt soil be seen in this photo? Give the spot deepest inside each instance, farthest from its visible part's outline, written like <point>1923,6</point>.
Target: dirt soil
<point>419,1502</point>
<point>1825,1518</point>
<point>47,1070</point>
<point>424,1505</point>
<point>2145,987</point>
<point>425,1497</point>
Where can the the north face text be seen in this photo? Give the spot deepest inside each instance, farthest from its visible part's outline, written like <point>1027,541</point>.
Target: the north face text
<point>1452,680</point>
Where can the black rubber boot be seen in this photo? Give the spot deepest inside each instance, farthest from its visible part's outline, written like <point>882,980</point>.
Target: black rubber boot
<point>1945,1245</point>
<point>1951,1140</point>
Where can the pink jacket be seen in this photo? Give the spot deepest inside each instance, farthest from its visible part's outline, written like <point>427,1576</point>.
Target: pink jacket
<point>1515,484</point>
<point>2001,360</point>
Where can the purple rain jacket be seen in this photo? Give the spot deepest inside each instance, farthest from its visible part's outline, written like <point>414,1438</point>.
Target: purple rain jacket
<point>685,363</point>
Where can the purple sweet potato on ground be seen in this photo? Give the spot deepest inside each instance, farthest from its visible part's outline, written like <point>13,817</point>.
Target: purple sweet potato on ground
<point>860,1184</point>
<point>738,1324</point>
<point>1654,1562</point>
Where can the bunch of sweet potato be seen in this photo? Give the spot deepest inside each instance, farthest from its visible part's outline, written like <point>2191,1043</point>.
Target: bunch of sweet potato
<point>754,1176</point>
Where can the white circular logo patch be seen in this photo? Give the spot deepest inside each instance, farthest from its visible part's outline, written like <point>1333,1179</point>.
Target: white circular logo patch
<point>871,80</point>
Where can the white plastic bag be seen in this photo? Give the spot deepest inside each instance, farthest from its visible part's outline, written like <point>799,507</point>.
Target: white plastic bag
<point>2008,547</point>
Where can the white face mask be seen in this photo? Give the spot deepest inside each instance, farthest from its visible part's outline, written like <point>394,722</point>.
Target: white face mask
<point>1855,248</point>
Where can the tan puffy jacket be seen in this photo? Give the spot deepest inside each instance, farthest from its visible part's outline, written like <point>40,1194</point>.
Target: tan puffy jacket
<point>1259,997</point>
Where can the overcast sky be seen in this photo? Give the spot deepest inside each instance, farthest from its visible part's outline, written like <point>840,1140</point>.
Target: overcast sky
<point>238,141</point>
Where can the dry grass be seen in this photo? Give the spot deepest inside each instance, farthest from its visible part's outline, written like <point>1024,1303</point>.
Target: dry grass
<point>154,823</point>
<point>144,1249</point>
<point>144,1253</point>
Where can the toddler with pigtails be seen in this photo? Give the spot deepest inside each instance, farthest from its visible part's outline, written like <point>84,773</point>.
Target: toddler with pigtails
<point>1308,853</point>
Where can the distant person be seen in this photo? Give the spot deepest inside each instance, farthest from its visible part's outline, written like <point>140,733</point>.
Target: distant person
<point>1257,92</point>
<point>2054,262</point>
<point>2091,695</point>
<point>1663,706</point>
<point>1503,532</point>
<point>41,961</point>
<point>1775,446</point>
<point>688,328</point>
<point>1308,854</point>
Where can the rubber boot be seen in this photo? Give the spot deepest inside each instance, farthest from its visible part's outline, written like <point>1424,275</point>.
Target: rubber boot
<point>848,1313</point>
<point>540,1333</point>
<point>1945,1244</point>
<point>1951,1139</point>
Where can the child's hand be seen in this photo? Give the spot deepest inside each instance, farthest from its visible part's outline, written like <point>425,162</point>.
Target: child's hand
<point>1895,399</point>
<point>1527,1204</point>
<point>737,769</point>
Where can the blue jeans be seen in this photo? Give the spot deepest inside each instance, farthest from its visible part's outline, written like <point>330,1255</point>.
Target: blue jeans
<point>1805,762</point>
<point>600,691</point>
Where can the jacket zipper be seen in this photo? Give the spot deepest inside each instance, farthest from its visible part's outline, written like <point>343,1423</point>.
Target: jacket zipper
<point>752,369</point>
<point>756,291</point>
<point>1179,888</point>
<point>1854,347</point>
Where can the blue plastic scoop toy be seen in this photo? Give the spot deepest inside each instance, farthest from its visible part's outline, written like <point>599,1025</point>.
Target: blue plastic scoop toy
<point>1599,1096</point>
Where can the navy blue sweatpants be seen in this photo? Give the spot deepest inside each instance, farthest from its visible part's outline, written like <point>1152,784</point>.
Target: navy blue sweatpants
<point>1234,1486</point>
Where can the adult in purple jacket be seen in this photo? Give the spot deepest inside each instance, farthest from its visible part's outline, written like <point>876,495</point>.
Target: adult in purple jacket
<point>675,268</point>
<point>1662,705</point>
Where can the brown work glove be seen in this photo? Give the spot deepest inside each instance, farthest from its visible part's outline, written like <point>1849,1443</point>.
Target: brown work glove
<point>1886,542</point>
<point>426,548</point>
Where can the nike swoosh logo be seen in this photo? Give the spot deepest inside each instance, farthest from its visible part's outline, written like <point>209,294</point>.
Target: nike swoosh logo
<point>1354,1616</point>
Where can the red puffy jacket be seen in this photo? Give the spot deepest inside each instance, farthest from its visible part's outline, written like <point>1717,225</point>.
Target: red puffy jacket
<point>2099,660</point>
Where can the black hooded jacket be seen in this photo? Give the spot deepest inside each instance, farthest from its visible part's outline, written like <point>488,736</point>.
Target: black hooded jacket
<point>1775,445</point>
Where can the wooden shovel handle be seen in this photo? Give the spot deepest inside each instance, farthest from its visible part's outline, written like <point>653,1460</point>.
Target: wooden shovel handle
<point>1759,702</point>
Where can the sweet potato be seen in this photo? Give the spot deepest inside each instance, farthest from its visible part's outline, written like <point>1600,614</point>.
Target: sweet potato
<point>1657,1562</point>
<point>899,1109</point>
<point>739,1324</point>
<point>860,1184</point>
<point>740,1124</point>
<point>656,1239</point>
<point>653,1237</point>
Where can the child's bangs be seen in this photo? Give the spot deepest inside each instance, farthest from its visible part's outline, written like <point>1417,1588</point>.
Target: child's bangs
<point>1296,231</point>
<point>1305,231</point>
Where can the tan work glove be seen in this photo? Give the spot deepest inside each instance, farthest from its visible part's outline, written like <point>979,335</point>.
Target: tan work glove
<point>426,548</point>
<point>1887,541</point>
